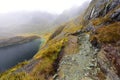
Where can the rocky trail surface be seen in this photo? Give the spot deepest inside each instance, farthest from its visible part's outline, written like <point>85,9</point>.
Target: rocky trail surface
<point>79,66</point>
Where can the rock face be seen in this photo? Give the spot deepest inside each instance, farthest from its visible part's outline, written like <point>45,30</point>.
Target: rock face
<point>102,21</point>
<point>99,8</point>
<point>116,15</point>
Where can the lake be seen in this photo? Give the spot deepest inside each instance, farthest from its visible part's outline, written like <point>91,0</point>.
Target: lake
<point>12,55</point>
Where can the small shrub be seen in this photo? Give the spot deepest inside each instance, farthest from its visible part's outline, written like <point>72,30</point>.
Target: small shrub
<point>108,34</point>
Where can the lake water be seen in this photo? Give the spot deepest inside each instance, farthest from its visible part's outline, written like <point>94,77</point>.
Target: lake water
<point>12,55</point>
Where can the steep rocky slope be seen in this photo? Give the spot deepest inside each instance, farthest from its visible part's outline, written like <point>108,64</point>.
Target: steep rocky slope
<point>86,48</point>
<point>103,24</point>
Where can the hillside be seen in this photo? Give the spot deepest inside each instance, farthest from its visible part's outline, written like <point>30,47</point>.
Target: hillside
<point>85,48</point>
<point>17,40</point>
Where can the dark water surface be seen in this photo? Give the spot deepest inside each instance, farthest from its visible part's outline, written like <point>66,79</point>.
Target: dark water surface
<point>12,55</point>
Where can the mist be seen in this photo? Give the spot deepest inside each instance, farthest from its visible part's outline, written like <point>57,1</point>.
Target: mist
<point>22,22</point>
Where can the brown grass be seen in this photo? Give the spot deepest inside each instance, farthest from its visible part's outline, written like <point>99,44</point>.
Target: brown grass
<point>108,34</point>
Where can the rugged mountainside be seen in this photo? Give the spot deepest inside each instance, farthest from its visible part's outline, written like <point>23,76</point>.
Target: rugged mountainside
<point>86,48</point>
<point>103,23</point>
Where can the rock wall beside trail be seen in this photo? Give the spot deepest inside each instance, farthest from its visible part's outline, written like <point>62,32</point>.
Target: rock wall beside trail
<point>102,21</point>
<point>99,8</point>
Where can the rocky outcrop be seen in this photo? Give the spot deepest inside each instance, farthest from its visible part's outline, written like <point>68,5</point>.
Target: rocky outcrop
<point>102,21</point>
<point>99,8</point>
<point>116,15</point>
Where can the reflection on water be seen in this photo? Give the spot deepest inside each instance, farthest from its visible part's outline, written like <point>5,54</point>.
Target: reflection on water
<point>12,55</point>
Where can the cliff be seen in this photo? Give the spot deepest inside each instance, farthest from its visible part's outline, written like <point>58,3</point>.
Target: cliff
<point>103,18</point>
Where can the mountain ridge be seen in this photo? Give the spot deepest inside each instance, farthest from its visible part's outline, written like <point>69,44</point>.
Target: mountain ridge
<point>94,40</point>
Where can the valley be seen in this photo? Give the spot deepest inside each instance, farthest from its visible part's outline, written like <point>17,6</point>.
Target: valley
<point>85,46</point>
